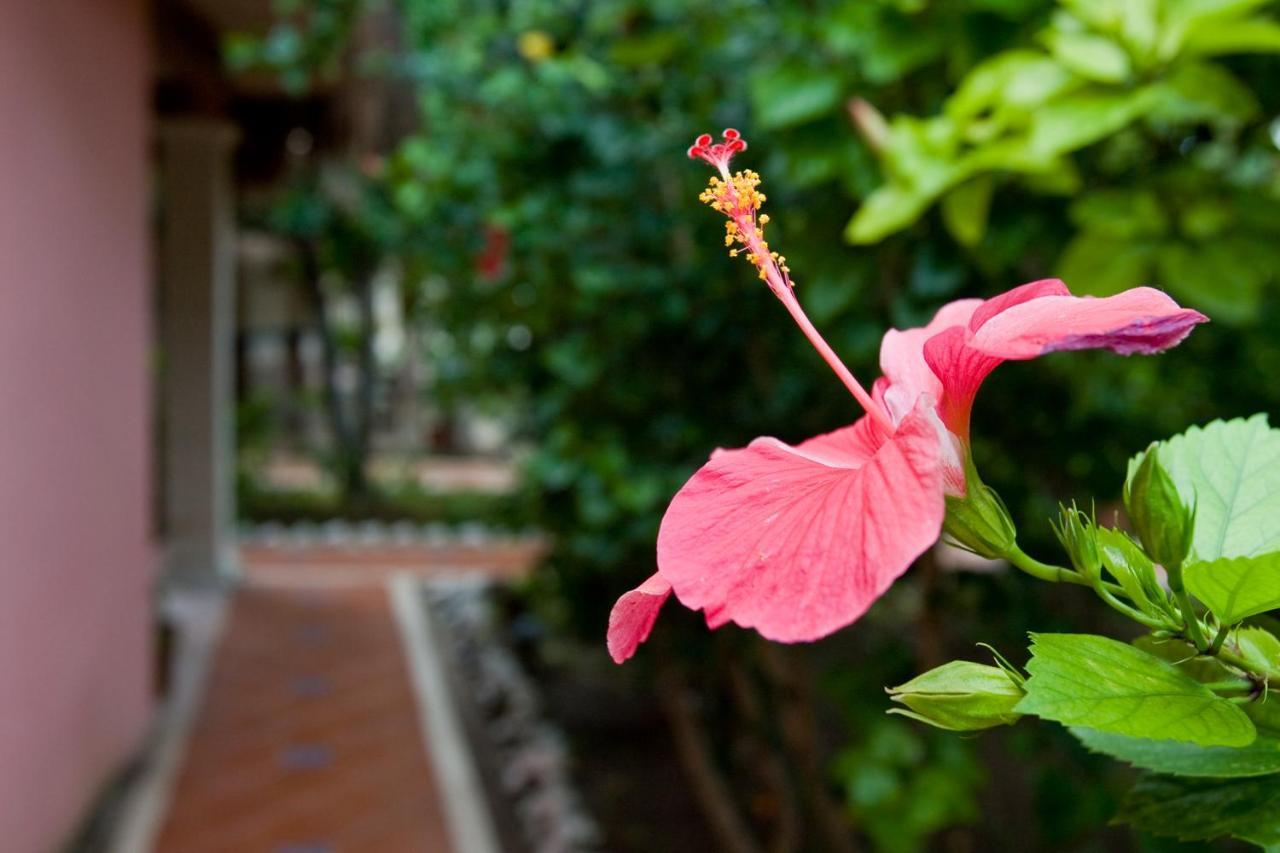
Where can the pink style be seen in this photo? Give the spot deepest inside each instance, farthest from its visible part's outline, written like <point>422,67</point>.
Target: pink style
<point>797,542</point>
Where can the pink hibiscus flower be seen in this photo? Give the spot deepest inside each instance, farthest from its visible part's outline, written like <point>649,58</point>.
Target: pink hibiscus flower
<point>798,541</point>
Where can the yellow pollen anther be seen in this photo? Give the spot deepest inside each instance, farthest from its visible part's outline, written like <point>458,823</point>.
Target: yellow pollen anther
<point>739,199</point>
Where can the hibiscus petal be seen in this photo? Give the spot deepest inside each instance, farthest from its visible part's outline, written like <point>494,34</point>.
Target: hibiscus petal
<point>633,616</point>
<point>1020,294</point>
<point>1141,320</point>
<point>797,542</point>
<point>960,370</point>
<point>902,355</point>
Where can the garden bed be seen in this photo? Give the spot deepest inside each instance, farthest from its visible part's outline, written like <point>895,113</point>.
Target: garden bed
<point>571,761</point>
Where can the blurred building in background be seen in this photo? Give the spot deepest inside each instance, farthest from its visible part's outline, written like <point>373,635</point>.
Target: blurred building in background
<point>137,318</point>
<point>118,256</point>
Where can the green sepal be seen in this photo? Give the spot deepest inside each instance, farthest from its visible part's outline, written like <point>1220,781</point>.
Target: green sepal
<point>979,521</point>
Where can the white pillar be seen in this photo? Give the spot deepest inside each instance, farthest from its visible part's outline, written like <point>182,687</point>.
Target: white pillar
<point>197,329</point>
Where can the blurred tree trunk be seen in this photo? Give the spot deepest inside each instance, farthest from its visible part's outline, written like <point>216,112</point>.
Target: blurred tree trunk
<point>362,411</point>
<point>788,675</point>
<point>350,430</point>
<point>694,748</point>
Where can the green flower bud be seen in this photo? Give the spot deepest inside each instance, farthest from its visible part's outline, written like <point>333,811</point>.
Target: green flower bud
<point>1079,537</point>
<point>979,521</point>
<point>1164,524</point>
<point>960,696</point>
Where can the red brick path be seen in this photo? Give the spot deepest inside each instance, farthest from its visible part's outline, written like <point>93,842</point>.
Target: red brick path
<point>309,740</point>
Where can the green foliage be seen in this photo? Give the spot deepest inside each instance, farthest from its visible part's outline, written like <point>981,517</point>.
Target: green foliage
<point>407,503</point>
<point>1260,648</point>
<point>903,784</point>
<point>1086,680</point>
<point>1197,809</point>
<point>1260,758</point>
<point>1235,588</point>
<point>306,44</point>
<point>1230,471</point>
<point>1101,71</point>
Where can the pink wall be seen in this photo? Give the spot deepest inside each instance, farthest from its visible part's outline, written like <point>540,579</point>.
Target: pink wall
<point>75,557</point>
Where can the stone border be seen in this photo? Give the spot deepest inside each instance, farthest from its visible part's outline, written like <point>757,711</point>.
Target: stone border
<point>525,755</point>
<point>466,808</point>
<point>199,617</point>
<point>340,532</point>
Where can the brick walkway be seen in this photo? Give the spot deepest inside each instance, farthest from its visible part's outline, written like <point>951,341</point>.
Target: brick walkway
<point>309,738</point>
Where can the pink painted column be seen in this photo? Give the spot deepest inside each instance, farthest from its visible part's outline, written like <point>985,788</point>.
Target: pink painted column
<point>76,561</point>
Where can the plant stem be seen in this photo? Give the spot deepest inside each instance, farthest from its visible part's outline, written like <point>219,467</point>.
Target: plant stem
<point>1216,646</point>
<point>1106,590</point>
<point>1233,659</point>
<point>1053,574</point>
<point>1194,632</point>
<point>1231,685</point>
<point>1132,612</point>
<point>1043,571</point>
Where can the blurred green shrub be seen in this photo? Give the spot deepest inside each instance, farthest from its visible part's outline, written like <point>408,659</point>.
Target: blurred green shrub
<point>256,504</point>
<point>1183,188</point>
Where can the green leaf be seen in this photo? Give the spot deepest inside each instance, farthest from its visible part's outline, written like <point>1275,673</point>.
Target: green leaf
<point>1260,758</point>
<point>1260,647</point>
<point>1122,214</point>
<point>1087,680</point>
<point>1184,657</point>
<point>1093,57</point>
<point>890,208</point>
<point>1265,715</point>
<point>1220,277</point>
<point>1080,119</point>
<point>965,208</point>
<point>1254,644</point>
<point>1011,83</point>
<point>1255,35</point>
<point>1133,21</point>
<point>1235,588</point>
<point>1201,809</point>
<point>648,48</point>
<point>792,95</point>
<point>1200,91</point>
<point>1231,469</point>
<point>1187,12</point>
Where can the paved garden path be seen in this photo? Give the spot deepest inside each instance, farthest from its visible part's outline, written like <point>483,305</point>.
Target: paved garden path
<point>309,737</point>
